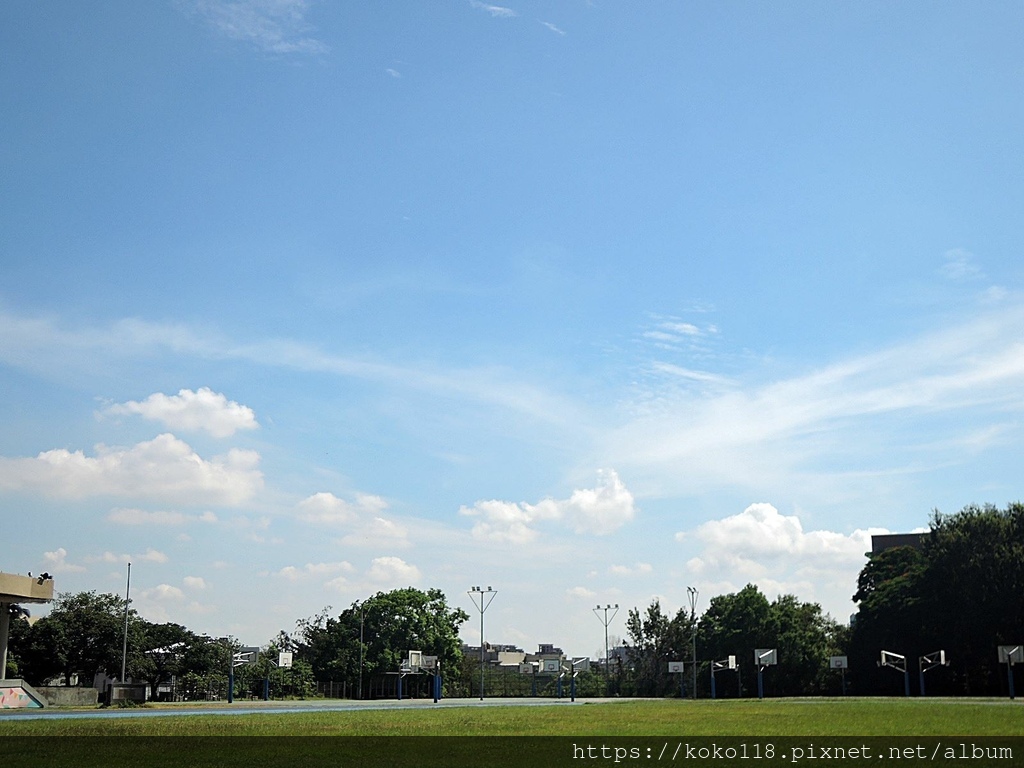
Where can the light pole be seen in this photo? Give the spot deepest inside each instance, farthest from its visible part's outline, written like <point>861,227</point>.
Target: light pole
<point>693,593</point>
<point>606,621</point>
<point>127,600</point>
<point>362,616</point>
<point>481,599</point>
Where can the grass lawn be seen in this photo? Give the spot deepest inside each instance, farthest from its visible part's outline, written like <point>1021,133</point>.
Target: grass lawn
<point>671,718</point>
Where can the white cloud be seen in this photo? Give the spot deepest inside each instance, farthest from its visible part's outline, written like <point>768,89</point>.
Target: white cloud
<point>603,509</point>
<point>163,593</point>
<point>788,432</point>
<point>392,572</point>
<point>581,593</point>
<point>960,266</point>
<point>497,11</point>
<point>599,510</point>
<point>194,582</point>
<point>553,28</point>
<point>393,72</point>
<point>190,411</point>
<point>273,26</point>
<point>42,345</point>
<point>763,546</point>
<point>132,516</point>
<point>633,570</point>
<point>327,509</point>
<point>56,562</point>
<point>378,533</point>
<point>314,571</point>
<point>150,555</point>
<point>164,468</point>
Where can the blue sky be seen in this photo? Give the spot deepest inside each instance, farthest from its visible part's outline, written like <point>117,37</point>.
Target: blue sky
<point>589,303</point>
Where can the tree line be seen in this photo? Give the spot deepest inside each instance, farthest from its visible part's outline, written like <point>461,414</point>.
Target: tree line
<point>961,591</point>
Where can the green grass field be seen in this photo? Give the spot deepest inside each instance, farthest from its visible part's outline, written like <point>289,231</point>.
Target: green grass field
<point>779,717</point>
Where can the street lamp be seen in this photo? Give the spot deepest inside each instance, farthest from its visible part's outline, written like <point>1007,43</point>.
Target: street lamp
<point>692,593</point>
<point>362,617</point>
<point>481,599</point>
<point>606,621</point>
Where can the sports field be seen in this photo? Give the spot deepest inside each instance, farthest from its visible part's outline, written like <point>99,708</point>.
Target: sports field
<point>769,718</point>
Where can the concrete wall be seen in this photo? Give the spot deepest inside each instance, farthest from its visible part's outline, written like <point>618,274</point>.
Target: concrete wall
<point>66,696</point>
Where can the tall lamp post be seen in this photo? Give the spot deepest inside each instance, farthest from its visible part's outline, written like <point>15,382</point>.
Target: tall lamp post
<point>362,617</point>
<point>693,593</point>
<point>606,621</point>
<point>127,601</point>
<point>481,599</point>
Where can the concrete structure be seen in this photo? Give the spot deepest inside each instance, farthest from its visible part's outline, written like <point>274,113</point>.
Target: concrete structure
<point>69,696</point>
<point>15,590</point>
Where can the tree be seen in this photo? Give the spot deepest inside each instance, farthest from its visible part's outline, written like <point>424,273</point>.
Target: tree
<point>83,635</point>
<point>654,640</point>
<point>734,625</point>
<point>973,590</point>
<point>390,624</point>
<point>158,652</point>
<point>890,617</point>
<point>805,638</point>
<point>962,592</point>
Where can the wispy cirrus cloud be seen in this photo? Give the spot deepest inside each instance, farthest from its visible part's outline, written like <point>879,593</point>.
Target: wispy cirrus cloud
<point>46,346</point>
<point>791,432</point>
<point>497,11</point>
<point>271,26</point>
<point>553,28</point>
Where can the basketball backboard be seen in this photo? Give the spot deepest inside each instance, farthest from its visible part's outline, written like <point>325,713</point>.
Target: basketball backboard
<point>1011,654</point>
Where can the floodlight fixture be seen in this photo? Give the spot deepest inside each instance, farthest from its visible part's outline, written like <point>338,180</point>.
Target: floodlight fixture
<point>481,600</point>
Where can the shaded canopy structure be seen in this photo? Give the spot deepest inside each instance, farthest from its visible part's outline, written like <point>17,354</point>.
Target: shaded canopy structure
<point>15,590</point>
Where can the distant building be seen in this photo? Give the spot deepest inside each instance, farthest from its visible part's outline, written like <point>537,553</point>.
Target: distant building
<point>890,540</point>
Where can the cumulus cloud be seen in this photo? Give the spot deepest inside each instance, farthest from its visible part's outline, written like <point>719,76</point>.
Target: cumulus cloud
<point>57,562</point>
<point>163,593</point>
<point>327,509</point>
<point>763,546</point>
<point>150,555</point>
<point>631,570</point>
<point>164,468</point>
<point>598,510</point>
<point>190,411</point>
<point>392,572</point>
<point>272,26</point>
<point>314,570</point>
<point>194,582</point>
<point>581,593</point>
<point>133,516</point>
